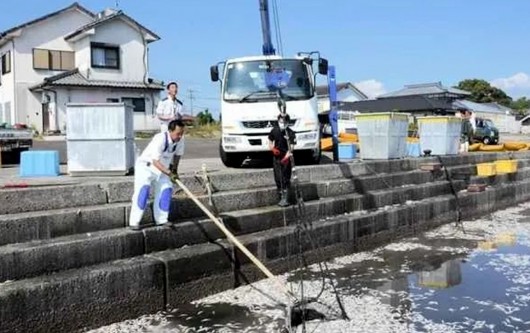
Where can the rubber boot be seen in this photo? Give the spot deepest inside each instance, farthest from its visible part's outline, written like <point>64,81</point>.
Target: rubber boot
<point>284,201</point>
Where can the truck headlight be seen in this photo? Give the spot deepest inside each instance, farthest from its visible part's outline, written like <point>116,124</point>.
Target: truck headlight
<point>306,136</point>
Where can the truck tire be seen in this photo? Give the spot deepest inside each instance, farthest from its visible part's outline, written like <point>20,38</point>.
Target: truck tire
<point>231,160</point>
<point>309,157</point>
<point>486,140</point>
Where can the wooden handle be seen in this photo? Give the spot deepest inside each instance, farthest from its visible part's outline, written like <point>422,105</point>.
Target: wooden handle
<point>233,238</point>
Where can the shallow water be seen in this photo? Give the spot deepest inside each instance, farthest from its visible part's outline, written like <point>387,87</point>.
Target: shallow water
<point>441,281</point>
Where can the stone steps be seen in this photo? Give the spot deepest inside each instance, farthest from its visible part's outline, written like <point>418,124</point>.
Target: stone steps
<point>89,296</point>
<point>73,251</point>
<point>74,265</point>
<point>50,223</point>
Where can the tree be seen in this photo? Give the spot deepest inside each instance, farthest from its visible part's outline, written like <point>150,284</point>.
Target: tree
<point>483,92</point>
<point>521,104</point>
<point>205,117</point>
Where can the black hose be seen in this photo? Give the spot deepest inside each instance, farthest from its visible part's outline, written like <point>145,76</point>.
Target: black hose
<point>455,193</point>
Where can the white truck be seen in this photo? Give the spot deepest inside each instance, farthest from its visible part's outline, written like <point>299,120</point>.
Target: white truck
<point>249,108</point>
<point>14,140</point>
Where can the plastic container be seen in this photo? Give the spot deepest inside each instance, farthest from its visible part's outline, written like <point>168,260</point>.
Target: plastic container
<point>100,139</point>
<point>413,149</point>
<point>506,166</point>
<point>486,169</point>
<point>440,134</point>
<point>41,163</point>
<point>347,151</point>
<point>383,135</point>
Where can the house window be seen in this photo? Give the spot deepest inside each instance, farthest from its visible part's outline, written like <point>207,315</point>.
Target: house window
<point>6,62</point>
<point>113,100</point>
<point>137,103</point>
<point>105,56</point>
<point>53,60</point>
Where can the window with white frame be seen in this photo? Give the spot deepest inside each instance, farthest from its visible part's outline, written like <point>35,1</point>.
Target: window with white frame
<point>105,56</point>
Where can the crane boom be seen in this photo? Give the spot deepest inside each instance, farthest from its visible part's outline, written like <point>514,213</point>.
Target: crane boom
<point>268,48</point>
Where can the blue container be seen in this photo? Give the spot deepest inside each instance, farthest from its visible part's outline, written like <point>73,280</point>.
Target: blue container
<point>44,163</point>
<point>413,149</point>
<point>347,151</point>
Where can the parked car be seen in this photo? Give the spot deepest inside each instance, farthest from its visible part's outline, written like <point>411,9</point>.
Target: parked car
<point>486,132</point>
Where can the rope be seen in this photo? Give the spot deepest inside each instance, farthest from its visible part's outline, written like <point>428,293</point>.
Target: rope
<point>448,177</point>
<point>302,226</point>
<point>209,189</point>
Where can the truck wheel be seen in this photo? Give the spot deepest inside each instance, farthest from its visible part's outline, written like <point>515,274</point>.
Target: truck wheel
<point>231,160</point>
<point>310,157</point>
<point>486,140</point>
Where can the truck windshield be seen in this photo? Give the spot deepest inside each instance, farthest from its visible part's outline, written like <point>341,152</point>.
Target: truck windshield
<point>246,81</point>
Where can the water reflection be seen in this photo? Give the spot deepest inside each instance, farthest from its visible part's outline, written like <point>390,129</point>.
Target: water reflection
<point>447,276</point>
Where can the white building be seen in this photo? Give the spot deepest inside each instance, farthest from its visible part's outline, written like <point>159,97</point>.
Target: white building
<point>501,116</point>
<point>74,55</point>
<point>346,92</point>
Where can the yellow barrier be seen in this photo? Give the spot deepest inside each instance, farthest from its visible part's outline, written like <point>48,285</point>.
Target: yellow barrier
<point>515,146</point>
<point>506,166</point>
<point>326,144</point>
<point>486,169</point>
<point>492,147</point>
<point>349,137</point>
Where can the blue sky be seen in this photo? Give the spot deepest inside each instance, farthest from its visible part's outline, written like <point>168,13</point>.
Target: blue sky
<point>378,44</point>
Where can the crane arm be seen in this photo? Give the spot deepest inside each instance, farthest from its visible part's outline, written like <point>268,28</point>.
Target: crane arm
<point>268,48</point>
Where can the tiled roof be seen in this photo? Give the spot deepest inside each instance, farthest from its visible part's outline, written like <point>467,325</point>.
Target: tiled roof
<point>481,107</point>
<point>323,89</point>
<point>75,5</point>
<point>118,14</point>
<point>402,104</point>
<point>74,78</point>
<point>425,89</point>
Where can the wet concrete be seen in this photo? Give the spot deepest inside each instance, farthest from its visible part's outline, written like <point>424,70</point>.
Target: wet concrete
<point>444,280</point>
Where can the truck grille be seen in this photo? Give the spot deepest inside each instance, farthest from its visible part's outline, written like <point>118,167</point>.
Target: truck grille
<point>265,123</point>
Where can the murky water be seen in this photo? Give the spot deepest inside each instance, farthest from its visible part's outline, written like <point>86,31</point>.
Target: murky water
<point>442,281</point>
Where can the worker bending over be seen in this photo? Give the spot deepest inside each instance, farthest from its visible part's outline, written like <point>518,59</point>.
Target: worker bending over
<point>169,109</point>
<point>280,138</point>
<point>152,169</point>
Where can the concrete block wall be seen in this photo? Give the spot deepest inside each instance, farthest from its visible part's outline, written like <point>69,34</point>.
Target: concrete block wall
<point>77,252</point>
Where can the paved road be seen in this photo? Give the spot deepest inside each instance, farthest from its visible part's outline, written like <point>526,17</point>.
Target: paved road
<point>196,148</point>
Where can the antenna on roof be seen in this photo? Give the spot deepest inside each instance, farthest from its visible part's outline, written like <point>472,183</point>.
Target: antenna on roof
<point>117,4</point>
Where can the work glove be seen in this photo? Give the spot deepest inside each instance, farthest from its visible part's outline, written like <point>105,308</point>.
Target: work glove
<point>275,151</point>
<point>174,177</point>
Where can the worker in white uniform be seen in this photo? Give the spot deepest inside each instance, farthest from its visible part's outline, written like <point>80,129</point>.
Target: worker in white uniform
<point>152,169</point>
<point>168,109</point>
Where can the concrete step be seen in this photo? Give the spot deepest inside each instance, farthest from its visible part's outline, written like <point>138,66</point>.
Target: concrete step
<point>99,192</point>
<point>42,257</point>
<point>24,227</point>
<point>51,223</point>
<point>118,290</point>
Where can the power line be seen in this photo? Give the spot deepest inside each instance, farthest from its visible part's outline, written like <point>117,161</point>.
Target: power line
<point>191,97</point>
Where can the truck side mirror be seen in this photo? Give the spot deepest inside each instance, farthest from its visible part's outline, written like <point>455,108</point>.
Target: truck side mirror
<point>214,73</point>
<point>323,66</point>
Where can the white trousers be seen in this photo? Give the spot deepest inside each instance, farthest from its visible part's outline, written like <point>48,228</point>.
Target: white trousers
<point>144,178</point>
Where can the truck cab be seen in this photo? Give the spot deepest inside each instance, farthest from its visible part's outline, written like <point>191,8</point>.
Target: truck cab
<point>486,132</point>
<point>249,107</point>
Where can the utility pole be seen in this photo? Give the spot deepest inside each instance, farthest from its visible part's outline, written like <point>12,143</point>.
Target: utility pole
<point>191,97</point>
